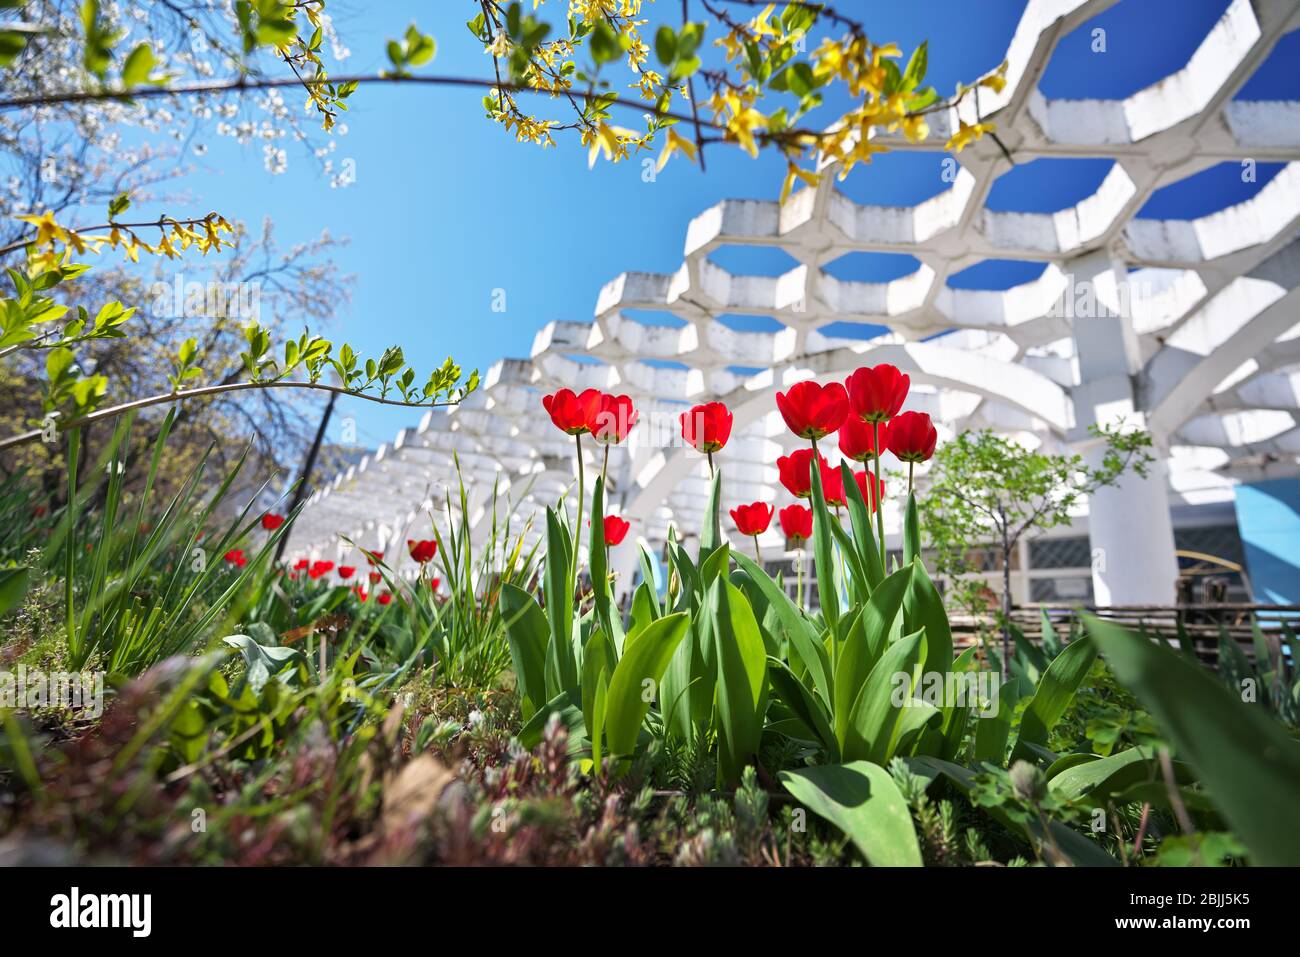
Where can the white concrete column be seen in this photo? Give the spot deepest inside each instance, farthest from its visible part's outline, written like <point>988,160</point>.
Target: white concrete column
<point>1132,537</point>
<point>1129,527</point>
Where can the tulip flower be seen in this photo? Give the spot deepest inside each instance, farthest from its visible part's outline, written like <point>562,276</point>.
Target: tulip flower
<point>876,393</point>
<point>795,470</point>
<point>613,420</point>
<point>301,565</point>
<point>423,550</point>
<point>797,524</point>
<point>615,529</point>
<point>385,597</point>
<point>318,569</point>
<point>813,411</point>
<point>346,572</point>
<point>833,486</point>
<point>372,557</point>
<point>706,428</point>
<point>858,439</point>
<point>573,414</point>
<point>236,557</point>
<point>361,593</point>
<point>872,489</point>
<point>271,521</point>
<point>912,437</point>
<point>434,583</point>
<point>753,520</point>
<point>376,578</point>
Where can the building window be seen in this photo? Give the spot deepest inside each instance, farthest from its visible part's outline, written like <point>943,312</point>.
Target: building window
<point>1070,589</point>
<point>1073,552</point>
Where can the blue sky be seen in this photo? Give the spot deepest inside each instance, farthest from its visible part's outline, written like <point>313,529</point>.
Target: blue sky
<point>446,208</point>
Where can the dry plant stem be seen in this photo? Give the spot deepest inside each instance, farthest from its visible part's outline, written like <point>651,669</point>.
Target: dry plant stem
<point>1175,799</point>
<point>1142,828</point>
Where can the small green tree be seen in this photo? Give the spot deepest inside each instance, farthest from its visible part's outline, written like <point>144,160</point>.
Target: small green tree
<point>984,489</point>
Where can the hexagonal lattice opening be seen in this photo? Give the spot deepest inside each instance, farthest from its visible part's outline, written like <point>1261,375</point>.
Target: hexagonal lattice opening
<point>853,330</point>
<point>753,260</point>
<point>1210,190</point>
<point>1277,77</point>
<point>898,178</point>
<point>1078,68</point>
<point>996,274</point>
<point>872,267</point>
<point>654,317</point>
<point>749,323</point>
<point>1047,185</point>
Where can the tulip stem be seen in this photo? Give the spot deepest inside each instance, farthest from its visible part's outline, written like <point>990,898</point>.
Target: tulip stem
<point>911,467</point>
<point>710,456</point>
<point>757,555</point>
<point>577,533</point>
<point>880,511</point>
<point>604,471</point>
<point>798,564</point>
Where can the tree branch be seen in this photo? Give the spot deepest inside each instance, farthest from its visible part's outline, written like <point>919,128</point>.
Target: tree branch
<point>116,410</point>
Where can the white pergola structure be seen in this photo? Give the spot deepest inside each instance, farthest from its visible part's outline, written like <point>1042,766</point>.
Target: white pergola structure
<point>1189,328</point>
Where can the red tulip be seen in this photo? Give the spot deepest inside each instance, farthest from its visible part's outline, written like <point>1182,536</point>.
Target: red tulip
<point>434,583</point>
<point>571,413</point>
<point>876,393</point>
<point>832,486</point>
<point>706,428</point>
<point>385,597</point>
<point>301,565</point>
<point>423,550</point>
<point>812,410</point>
<point>872,491</point>
<point>614,418</point>
<point>797,523</point>
<point>753,519</point>
<point>318,569</point>
<point>912,437</point>
<point>615,529</point>
<point>271,521</point>
<point>372,557</point>
<point>858,440</point>
<point>346,572</point>
<point>376,578</point>
<point>796,471</point>
<point>361,593</point>
<point>236,557</point>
